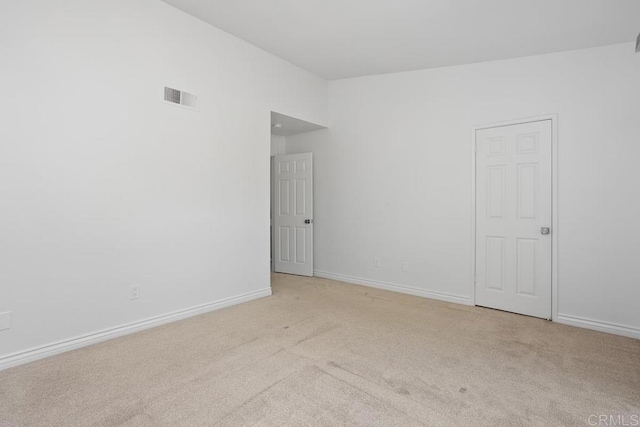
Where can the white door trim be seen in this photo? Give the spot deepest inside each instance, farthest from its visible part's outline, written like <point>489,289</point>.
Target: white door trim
<point>554,203</point>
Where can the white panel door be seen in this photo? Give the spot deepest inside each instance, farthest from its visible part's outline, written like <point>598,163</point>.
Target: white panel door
<point>293,214</point>
<point>513,218</point>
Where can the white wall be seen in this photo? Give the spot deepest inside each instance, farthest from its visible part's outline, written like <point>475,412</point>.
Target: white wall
<point>393,175</point>
<point>103,185</point>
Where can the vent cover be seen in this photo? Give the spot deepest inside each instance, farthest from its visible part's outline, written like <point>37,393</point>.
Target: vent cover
<point>179,97</point>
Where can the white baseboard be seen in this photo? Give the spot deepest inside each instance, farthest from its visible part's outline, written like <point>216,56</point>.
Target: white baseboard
<point>564,319</point>
<point>597,325</point>
<point>33,354</point>
<point>394,288</point>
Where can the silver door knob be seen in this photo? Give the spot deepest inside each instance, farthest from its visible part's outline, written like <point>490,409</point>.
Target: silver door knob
<point>545,230</point>
<point>308,221</point>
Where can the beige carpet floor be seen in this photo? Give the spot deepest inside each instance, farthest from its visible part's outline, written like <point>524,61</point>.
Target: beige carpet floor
<point>320,352</point>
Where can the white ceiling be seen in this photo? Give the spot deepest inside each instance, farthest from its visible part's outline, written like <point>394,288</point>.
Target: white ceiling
<point>346,38</point>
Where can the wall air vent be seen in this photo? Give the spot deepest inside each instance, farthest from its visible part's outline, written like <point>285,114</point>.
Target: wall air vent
<point>180,97</point>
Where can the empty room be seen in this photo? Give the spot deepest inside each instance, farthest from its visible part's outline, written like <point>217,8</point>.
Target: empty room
<point>305,212</point>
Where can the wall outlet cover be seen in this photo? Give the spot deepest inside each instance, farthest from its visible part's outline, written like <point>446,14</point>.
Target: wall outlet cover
<point>134,292</point>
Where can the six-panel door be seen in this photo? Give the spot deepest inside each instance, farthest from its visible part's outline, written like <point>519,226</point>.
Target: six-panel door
<point>513,205</point>
<point>293,214</point>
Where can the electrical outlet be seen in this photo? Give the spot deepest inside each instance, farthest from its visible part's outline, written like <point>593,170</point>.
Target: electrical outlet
<point>134,292</point>
<point>376,262</point>
<point>5,320</point>
<point>405,266</point>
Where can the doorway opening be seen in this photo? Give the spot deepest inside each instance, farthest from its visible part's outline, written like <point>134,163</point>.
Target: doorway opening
<point>291,177</point>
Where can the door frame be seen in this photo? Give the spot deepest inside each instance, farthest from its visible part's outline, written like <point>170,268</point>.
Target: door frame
<point>554,202</point>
